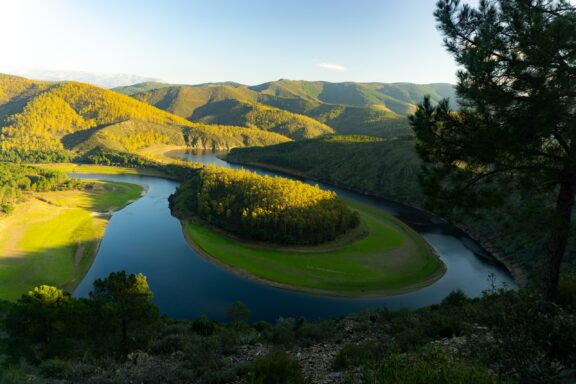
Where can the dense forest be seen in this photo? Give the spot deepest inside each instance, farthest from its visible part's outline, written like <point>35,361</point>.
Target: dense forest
<point>263,208</point>
<point>347,108</point>
<point>17,179</point>
<point>54,117</point>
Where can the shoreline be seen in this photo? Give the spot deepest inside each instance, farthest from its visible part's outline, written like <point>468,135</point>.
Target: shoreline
<point>374,294</point>
<point>518,274</point>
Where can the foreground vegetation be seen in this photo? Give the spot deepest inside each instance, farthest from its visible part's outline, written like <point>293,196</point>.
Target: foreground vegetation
<point>116,336</point>
<point>383,256</point>
<point>52,237</point>
<point>263,208</point>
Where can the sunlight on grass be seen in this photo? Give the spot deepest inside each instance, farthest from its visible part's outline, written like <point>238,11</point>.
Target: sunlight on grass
<point>390,259</point>
<point>53,236</point>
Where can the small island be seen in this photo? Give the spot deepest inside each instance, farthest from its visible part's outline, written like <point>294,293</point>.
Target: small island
<point>293,235</point>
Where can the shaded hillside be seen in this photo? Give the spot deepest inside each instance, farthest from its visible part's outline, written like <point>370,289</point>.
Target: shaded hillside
<point>40,116</point>
<point>349,108</point>
<point>183,100</point>
<point>368,164</point>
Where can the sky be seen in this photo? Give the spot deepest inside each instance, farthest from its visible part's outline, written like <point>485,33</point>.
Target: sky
<point>247,41</point>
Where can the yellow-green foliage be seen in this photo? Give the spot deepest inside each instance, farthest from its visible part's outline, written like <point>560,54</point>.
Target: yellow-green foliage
<point>76,114</point>
<point>13,86</point>
<point>263,207</point>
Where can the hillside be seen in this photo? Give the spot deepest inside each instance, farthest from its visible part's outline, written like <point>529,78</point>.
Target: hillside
<point>348,108</point>
<point>259,116</point>
<point>367,164</point>
<point>41,116</point>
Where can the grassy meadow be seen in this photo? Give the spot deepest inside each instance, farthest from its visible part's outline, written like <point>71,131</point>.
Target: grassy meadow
<point>103,169</point>
<point>389,259</point>
<point>52,237</point>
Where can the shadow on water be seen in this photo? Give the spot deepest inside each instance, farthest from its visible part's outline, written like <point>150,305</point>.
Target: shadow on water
<point>144,237</point>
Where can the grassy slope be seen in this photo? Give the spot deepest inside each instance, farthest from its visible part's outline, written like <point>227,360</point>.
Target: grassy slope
<point>390,259</point>
<point>53,237</point>
<point>255,115</point>
<point>104,169</point>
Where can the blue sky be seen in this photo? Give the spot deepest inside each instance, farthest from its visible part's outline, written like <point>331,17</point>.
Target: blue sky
<point>248,41</point>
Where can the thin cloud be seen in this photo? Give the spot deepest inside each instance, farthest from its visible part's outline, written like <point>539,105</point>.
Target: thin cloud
<point>333,67</point>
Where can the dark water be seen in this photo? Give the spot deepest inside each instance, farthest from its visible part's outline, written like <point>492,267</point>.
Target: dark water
<point>144,237</point>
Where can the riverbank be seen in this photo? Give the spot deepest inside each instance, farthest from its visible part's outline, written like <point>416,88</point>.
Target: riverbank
<point>390,259</point>
<point>53,237</point>
<point>516,271</point>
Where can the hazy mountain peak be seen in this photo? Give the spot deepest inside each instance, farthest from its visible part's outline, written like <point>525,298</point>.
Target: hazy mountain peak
<point>106,80</point>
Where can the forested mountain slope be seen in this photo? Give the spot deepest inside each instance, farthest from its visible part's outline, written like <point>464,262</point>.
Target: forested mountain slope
<point>43,116</point>
<point>348,108</point>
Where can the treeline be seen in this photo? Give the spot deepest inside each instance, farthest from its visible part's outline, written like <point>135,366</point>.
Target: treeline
<point>102,156</point>
<point>367,164</point>
<point>15,179</point>
<point>19,156</point>
<point>263,208</point>
<point>46,322</point>
<point>115,336</point>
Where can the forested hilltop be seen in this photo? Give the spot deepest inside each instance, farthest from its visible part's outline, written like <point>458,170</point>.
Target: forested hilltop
<point>53,118</point>
<point>347,108</point>
<point>262,207</point>
<point>389,168</point>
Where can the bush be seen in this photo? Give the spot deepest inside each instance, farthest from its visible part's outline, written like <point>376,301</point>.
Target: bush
<point>276,368</point>
<point>521,336</point>
<point>354,355</point>
<point>203,326</point>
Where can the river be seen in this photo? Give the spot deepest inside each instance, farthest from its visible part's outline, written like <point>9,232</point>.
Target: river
<point>144,237</point>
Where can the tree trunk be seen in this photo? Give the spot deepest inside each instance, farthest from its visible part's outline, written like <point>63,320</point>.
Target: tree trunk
<point>560,232</point>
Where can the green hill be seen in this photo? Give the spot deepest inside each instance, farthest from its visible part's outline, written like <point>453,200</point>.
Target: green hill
<point>259,116</point>
<point>367,164</point>
<point>375,109</point>
<point>41,116</point>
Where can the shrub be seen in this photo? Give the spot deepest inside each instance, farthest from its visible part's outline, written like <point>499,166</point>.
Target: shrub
<point>353,355</point>
<point>424,368</point>
<point>276,368</point>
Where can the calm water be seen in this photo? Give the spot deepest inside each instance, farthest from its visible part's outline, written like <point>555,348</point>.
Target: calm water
<point>144,237</point>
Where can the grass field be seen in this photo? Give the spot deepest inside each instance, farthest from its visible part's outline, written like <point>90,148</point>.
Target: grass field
<point>52,237</point>
<point>104,169</point>
<point>391,259</point>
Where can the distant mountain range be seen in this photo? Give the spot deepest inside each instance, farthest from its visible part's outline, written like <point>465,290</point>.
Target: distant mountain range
<point>347,108</point>
<point>105,80</point>
<point>74,116</point>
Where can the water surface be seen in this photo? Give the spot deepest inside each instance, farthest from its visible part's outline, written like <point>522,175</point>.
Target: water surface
<point>144,237</point>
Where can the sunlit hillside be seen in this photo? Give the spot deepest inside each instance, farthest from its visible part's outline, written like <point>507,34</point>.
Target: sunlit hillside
<point>41,116</point>
<point>348,108</point>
